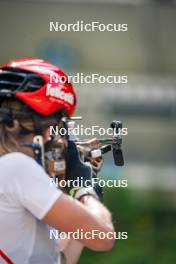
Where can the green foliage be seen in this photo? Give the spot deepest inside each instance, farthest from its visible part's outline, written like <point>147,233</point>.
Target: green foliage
<point>149,219</point>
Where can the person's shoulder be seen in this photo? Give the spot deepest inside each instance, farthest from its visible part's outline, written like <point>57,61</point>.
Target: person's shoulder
<point>17,158</point>
<point>15,165</point>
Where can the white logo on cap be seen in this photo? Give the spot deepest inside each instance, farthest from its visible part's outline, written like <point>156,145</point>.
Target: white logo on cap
<point>56,92</point>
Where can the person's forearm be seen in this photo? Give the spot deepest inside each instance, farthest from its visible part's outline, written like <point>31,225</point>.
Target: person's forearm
<point>88,217</point>
<point>73,248</point>
<point>97,208</point>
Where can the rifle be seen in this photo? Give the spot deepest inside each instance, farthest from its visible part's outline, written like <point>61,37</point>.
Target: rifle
<point>113,144</point>
<point>52,155</point>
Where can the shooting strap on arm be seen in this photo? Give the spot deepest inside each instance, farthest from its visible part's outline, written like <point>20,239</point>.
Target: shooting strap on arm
<point>84,192</point>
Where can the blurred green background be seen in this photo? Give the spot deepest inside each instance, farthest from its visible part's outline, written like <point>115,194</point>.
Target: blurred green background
<point>146,105</point>
<point>149,219</point>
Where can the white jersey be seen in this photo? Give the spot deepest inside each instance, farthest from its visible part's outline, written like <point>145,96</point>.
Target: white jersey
<point>25,197</point>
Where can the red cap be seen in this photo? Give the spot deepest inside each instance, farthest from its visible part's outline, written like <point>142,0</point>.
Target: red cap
<point>56,93</point>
